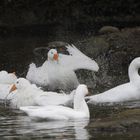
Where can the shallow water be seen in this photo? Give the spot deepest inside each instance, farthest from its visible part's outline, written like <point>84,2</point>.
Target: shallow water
<point>16,125</point>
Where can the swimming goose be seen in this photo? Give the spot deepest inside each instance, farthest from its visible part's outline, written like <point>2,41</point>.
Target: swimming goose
<point>27,94</point>
<point>125,92</point>
<point>58,72</point>
<point>80,110</point>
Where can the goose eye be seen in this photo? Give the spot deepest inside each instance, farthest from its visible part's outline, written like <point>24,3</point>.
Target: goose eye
<point>17,82</point>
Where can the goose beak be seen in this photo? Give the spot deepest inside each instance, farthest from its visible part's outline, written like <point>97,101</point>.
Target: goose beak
<point>13,88</point>
<point>55,57</point>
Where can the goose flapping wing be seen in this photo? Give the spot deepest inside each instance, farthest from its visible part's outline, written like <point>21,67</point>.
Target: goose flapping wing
<point>77,60</point>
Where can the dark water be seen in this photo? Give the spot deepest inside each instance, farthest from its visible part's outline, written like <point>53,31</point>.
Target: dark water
<point>16,125</point>
<point>15,55</point>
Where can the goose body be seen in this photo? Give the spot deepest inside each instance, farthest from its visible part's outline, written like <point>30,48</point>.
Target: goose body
<point>125,92</point>
<point>58,72</point>
<point>80,110</point>
<point>27,94</point>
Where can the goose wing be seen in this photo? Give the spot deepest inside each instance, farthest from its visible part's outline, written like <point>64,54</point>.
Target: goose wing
<point>77,60</point>
<point>53,98</point>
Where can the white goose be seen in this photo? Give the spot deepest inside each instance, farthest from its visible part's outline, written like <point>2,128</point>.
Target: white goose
<point>80,110</point>
<point>6,81</point>
<point>125,92</point>
<point>59,70</point>
<point>27,94</point>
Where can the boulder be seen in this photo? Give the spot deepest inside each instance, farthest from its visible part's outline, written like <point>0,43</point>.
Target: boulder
<point>108,29</point>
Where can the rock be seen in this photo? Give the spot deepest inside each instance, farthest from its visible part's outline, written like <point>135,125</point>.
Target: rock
<point>98,45</point>
<point>57,44</point>
<point>126,120</point>
<point>108,29</point>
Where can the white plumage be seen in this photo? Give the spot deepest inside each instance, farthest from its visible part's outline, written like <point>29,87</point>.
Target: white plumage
<point>125,92</point>
<point>80,110</point>
<point>58,72</point>
<point>27,94</point>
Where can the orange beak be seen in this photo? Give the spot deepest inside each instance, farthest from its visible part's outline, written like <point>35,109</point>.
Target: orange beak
<point>55,57</point>
<point>13,88</point>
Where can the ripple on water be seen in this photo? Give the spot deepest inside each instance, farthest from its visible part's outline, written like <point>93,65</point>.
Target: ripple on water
<point>16,125</point>
<point>21,126</point>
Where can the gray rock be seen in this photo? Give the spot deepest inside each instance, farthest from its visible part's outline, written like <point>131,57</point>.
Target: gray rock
<point>57,44</point>
<point>123,121</point>
<point>108,29</point>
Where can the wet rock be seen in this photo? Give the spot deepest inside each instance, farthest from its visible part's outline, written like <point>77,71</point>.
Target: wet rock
<point>108,29</point>
<point>117,63</point>
<point>124,47</point>
<point>98,45</point>
<point>57,44</point>
<point>124,121</point>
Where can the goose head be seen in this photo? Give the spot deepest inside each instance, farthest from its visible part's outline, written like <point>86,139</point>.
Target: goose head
<point>136,62</point>
<point>13,77</point>
<point>20,84</point>
<point>82,90</point>
<point>133,71</point>
<point>53,55</point>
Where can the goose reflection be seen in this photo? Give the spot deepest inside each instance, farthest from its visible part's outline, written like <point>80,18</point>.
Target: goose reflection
<point>58,129</point>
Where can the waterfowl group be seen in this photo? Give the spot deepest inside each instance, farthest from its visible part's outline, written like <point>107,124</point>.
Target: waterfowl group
<point>79,111</point>
<point>58,72</point>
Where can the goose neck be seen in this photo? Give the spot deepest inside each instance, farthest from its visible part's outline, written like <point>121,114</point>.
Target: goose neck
<point>133,72</point>
<point>80,104</point>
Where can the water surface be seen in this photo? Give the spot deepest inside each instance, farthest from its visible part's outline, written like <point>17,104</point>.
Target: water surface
<point>14,124</point>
